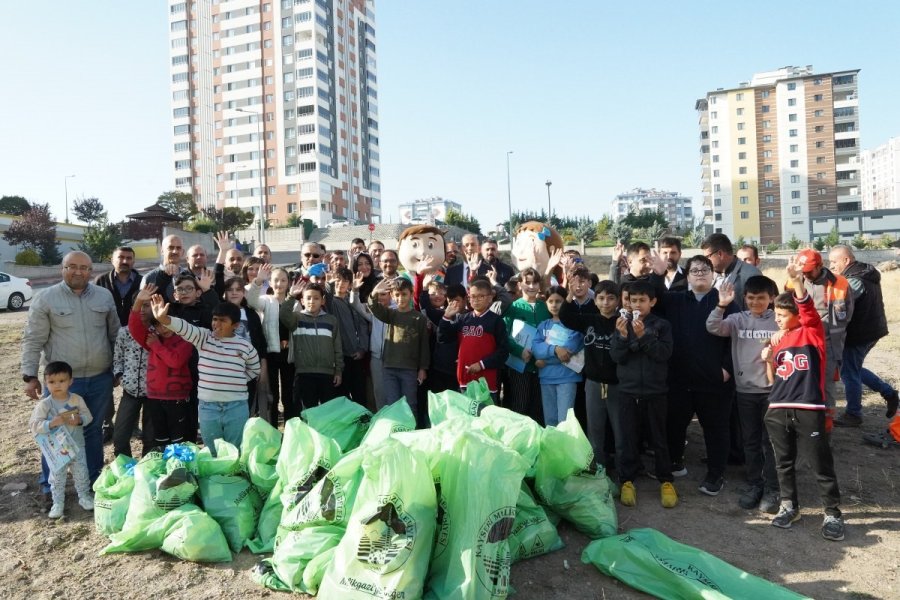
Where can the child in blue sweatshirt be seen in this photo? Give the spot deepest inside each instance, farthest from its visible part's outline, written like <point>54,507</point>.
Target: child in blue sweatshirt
<point>553,347</point>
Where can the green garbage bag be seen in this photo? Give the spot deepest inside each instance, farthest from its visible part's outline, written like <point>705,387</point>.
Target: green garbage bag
<point>235,504</point>
<point>195,536</point>
<point>387,546</point>
<point>515,431</point>
<point>285,570</point>
<point>649,561</point>
<point>226,460</point>
<point>565,450</point>
<point>314,572</point>
<point>480,481</point>
<point>182,454</point>
<point>532,533</point>
<point>269,518</point>
<point>260,446</point>
<point>450,403</point>
<point>478,391</point>
<point>176,487</point>
<point>112,494</point>
<point>327,502</point>
<point>393,418</point>
<point>585,499</point>
<point>306,455</point>
<point>341,419</point>
<point>142,508</point>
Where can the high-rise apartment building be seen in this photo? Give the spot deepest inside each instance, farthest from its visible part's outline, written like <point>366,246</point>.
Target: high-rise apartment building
<point>274,106</point>
<point>779,150</point>
<point>881,176</point>
<point>678,209</point>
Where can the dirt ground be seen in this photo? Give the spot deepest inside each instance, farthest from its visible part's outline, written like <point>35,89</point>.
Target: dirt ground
<point>40,558</point>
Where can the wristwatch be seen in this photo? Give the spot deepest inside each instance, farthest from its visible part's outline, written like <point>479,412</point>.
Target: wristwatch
<point>28,378</point>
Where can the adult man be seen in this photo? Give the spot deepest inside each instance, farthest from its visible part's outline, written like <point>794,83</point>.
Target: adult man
<point>375,249</point>
<point>834,302</point>
<point>749,254</point>
<point>171,251</point>
<point>310,254</point>
<point>234,260</point>
<point>263,252</point>
<point>471,266</point>
<point>868,325</point>
<point>338,261</point>
<point>122,282</point>
<point>197,260</point>
<point>451,251</point>
<point>718,249</point>
<point>489,251</point>
<point>639,259</point>
<point>389,264</point>
<point>357,246</point>
<point>670,251</point>
<point>75,321</point>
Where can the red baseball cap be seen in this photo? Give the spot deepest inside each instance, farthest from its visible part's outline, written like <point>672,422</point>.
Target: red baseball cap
<point>809,260</point>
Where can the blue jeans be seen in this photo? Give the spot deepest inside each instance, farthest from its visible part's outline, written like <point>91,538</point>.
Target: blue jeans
<point>97,393</point>
<point>557,399</point>
<point>854,376</point>
<point>223,420</point>
<point>400,382</point>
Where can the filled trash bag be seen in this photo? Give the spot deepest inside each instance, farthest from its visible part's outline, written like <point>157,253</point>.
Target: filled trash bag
<point>195,536</point>
<point>479,487</point>
<point>225,462</point>
<point>182,454</point>
<point>286,571</point>
<point>306,457</point>
<point>479,391</point>
<point>585,499</point>
<point>235,504</point>
<point>112,494</point>
<point>448,404</point>
<point>532,533</point>
<point>176,487</point>
<point>393,418</point>
<point>341,419</point>
<point>649,561</point>
<point>260,446</point>
<point>386,548</point>
<point>565,450</point>
<point>269,518</point>
<point>513,430</point>
<point>142,508</point>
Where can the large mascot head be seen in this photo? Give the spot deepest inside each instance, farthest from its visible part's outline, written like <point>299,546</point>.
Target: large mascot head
<point>421,246</point>
<point>533,246</point>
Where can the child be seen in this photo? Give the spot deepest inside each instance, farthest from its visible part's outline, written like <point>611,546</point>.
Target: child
<point>168,374</point>
<point>796,416</point>
<point>316,344</point>
<point>406,354</point>
<point>130,370</point>
<point>60,408</point>
<point>481,335</point>
<point>641,348</point>
<point>226,363</point>
<point>522,390</point>
<point>553,347</point>
<point>599,369</point>
<point>354,331</point>
<point>377,332</point>
<point>250,329</point>
<point>749,331</point>
<point>442,373</point>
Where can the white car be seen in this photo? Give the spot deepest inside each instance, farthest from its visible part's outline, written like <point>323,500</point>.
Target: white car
<point>14,291</point>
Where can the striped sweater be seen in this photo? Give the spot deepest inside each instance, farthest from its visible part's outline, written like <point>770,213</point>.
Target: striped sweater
<point>225,365</point>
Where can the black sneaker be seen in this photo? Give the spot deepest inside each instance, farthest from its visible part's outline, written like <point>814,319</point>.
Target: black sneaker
<point>893,402</point>
<point>770,502</point>
<point>833,528</point>
<point>786,517</point>
<point>107,435</point>
<point>751,497</point>
<point>678,469</point>
<point>848,420</point>
<point>712,488</point>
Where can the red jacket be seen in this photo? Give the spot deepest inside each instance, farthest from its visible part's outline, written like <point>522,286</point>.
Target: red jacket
<point>168,374</point>
<point>800,363</point>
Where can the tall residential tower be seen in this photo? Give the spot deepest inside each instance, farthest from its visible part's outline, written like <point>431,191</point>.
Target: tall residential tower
<point>778,151</point>
<point>274,106</point>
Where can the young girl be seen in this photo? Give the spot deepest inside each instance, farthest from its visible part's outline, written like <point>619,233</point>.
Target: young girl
<point>169,379</point>
<point>251,330</point>
<point>523,389</point>
<point>553,347</point>
<point>267,306</point>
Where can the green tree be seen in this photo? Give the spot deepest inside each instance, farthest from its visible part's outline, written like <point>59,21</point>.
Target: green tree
<point>100,239</point>
<point>463,221</point>
<point>14,205</point>
<point>655,231</point>
<point>36,229</point>
<point>859,242</point>
<point>833,238</point>
<point>603,225</point>
<point>586,232</point>
<point>818,244</point>
<point>178,203</point>
<point>294,220</point>
<point>621,232</point>
<point>89,210</point>
<point>646,218</point>
<point>794,242</point>
<point>772,247</point>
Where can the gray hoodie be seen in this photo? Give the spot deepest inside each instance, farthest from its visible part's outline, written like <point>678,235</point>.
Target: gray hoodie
<point>749,335</point>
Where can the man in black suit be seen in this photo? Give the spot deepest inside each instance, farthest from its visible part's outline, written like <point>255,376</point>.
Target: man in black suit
<point>471,266</point>
<point>122,282</point>
<point>670,251</point>
<point>490,253</point>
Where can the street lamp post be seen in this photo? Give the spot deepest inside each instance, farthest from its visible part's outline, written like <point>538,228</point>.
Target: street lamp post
<point>66,184</point>
<point>549,210</point>
<point>509,200</point>
<point>263,179</point>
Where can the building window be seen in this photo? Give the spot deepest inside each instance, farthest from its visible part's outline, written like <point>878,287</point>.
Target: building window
<point>791,86</point>
<point>820,160</point>
<point>820,128</point>
<point>819,113</point>
<point>792,102</point>
<point>769,183</point>
<point>794,148</point>
<point>795,195</point>
<point>766,124</point>
<point>767,154</point>
<point>792,117</point>
<point>764,108</point>
<point>792,133</point>
<point>717,202</point>
<point>795,164</point>
<point>742,171</point>
<point>715,172</point>
<point>795,179</point>
<point>717,187</point>
<point>770,214</point>
<point>770,198</point>
<point>767,169</point>
<point>715,143</point>
<point>742,155</point>
<point>292,189</point>
<point>739,96</point>
<point>820,144</point>
<point>766,138</point>
<point>745,214</point>
<point>820,176</point>
<point>764,94</point>
<point>818,97</point>
<point>718,217</point>
<point>740,126</point>
<point>714,115</point>
<point>715,158</point>
<point>742,141</point>
<point>822,191</point>
<point>740,112</point>
<point>795,210</point>
<point>307,167</point>
<point>745,199</point>
<point>744,185</point>
<point>715,129</point>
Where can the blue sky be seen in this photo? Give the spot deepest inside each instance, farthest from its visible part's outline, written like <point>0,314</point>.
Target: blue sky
<point>597,97</point>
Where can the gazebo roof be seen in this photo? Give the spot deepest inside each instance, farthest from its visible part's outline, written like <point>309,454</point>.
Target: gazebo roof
<point>155,213</point>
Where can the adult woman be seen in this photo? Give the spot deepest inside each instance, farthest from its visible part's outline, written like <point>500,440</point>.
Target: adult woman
<point>365,266</point>
<point>251,330</point>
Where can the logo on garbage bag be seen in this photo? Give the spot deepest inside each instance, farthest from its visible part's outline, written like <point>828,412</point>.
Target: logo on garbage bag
<point>388,536</point>
<point>492,550</point>
<point>306,485</point>
<point>688,571</point>
<point>442,533</point>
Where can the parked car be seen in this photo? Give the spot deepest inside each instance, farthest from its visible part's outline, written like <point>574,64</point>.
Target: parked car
<point>14,291</point>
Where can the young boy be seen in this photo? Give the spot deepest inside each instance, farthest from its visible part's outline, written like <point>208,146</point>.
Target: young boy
<point>796,416</point>
<point>406,354</point>
<point>749,330</point>
<point>600,382</point>
<point>130,370</point>
<point>481,335</point>
<point>226,363</point>
<point>641,348</point>
<point>316,342</point>
<point>354,332</point>
<point>442,373</point>
<point>60,408</point>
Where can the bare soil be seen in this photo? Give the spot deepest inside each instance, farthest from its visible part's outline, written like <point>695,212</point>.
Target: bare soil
<point>40,558</point>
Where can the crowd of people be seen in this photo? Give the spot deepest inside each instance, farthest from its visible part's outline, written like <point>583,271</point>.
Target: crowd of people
<point>199,348</point>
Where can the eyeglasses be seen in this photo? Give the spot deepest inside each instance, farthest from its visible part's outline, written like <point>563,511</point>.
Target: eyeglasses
<point>78,268</point>
<point>184,290</point>
<point>699,271</point>
<point>311,255</point>
<point>478,296</point>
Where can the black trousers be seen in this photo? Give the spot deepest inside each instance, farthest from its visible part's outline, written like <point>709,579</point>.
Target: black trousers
<point>791,432</point>
<point>170,421</point>
<point>281,384</point>
<point>312,389</point>
<point>353,381</point>
<point>714,412</point>
<point>629,407</point>
<point>759,458</point>
<point>523,394</point>
<point>126,418</point>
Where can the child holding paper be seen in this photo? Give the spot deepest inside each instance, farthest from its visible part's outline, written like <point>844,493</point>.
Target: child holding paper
<point>556,350</point>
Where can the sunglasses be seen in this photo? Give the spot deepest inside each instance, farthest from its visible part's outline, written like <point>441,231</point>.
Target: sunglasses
<point>310,255</point>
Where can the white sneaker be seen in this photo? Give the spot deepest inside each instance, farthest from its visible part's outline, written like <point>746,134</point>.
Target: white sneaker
<point>56,511</point>
<point>86,502</point>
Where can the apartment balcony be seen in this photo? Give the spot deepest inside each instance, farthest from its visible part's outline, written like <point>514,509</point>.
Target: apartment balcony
<point>851,101</point>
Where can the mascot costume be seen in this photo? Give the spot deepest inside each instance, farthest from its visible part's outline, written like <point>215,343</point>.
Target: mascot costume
<point>421,252</point>
<point>538,246</point>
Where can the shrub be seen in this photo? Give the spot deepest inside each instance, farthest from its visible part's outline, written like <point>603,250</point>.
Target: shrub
<point>818,244</point>
<point>859,242</point>
<point>794,242</point>
<point>28,258</point>
<point>772,247</point>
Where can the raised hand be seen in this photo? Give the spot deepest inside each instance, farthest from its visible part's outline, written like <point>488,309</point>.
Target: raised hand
<point>658,263</point>
<point>492,276</point>
<point>554,261</point>
<point>795,274</point>
<point>297,287</point>
<point>205,280</point>
<point>146,293</point>
<point>358,281</point>
<point>726,293</point>
<point>160,309</point>
<point>263,274</point>
<point>453,308</point>
<point>427,264</point>
<point>618,251</point>
<point>223,240</point>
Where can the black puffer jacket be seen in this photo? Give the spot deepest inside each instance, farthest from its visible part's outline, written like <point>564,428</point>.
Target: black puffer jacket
<point>869,322</point>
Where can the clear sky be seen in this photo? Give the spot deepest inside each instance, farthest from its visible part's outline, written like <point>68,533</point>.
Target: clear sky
<point>596,96</point>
